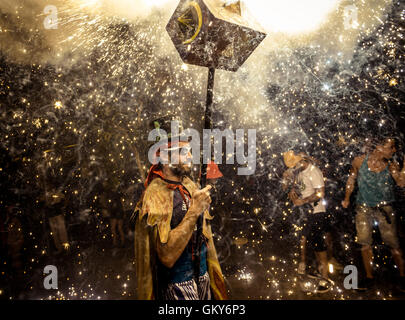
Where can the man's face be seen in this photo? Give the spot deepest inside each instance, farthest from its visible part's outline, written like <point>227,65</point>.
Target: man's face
<point>387,149</point>
<point>180,163</point>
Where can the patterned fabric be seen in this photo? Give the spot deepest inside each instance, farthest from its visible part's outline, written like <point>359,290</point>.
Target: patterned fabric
<point>188,290</point>
<point>152,222</point>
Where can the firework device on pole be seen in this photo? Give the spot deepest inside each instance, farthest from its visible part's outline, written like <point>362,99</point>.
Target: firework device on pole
<point>217,34</point>
<point>212,34</point>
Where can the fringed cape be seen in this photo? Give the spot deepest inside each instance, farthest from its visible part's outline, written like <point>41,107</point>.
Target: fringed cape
<point>153,221</point>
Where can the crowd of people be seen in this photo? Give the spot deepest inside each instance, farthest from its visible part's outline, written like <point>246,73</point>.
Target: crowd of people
<point>56,224</point>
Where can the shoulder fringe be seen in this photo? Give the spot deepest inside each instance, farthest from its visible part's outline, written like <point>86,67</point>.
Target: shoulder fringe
<point>157,204</point>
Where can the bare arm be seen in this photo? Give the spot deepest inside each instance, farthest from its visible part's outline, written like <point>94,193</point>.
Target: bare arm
<point>351,181</point>
<point>397,173</point>
<point>179,237</point>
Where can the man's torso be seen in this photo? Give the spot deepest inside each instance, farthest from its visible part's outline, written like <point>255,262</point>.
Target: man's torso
<point>374,188</point>
<point>309,180</point>
<point>183,269</point>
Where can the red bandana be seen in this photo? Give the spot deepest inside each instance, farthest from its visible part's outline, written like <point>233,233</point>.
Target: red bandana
<point>154,172</point>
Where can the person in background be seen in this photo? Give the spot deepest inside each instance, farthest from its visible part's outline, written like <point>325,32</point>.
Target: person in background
<point>55,201</point>
<point>117,220</point>
<point>129,192</point>
<point>309,188</point>
<point>288,181</point>
<point>15,238</point>
<point>376,175</point>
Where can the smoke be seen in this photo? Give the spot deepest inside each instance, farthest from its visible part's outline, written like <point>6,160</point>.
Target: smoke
<point>333,41</point>
<point>88,25</point>
<point>25,37</point>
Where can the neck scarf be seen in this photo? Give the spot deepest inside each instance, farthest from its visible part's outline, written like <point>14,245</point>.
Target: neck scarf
<point>155,172</point>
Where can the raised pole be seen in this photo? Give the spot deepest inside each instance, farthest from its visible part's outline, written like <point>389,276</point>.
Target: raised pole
<point>203,179</point>
<point>208,118</point>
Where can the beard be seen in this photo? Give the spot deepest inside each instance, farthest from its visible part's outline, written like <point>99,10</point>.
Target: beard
<point>181,170</point>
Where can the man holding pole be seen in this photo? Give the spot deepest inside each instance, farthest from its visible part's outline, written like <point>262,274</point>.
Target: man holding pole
<point>166,242</point>
<point>175,243</point>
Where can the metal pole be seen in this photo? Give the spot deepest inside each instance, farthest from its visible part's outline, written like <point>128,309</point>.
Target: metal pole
<point>208,118</point>
<point>203,180</point>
